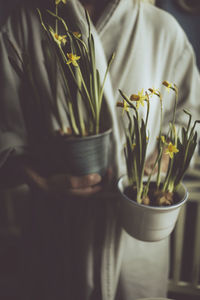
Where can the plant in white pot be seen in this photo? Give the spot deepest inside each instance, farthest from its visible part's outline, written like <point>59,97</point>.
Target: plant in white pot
<point>150,204</point>
<point>82,147</point>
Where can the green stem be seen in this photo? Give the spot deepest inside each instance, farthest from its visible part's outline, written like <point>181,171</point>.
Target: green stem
<point>146,189</point>
<point>147,116</point>
<point>167,179</point>
<point>139,193</point>
<point>158,179</point>
<point>175,105</point>
<point>105,76</point>
<point>86,91</point>
<point>159,144</point>
<point>72,118</point>
<point>41,20</point>
<point>80,113</point>
<point>60,19</point>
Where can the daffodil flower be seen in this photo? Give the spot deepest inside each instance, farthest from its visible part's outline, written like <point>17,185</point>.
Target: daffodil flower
<point>154,91</point>
<point>171,149</point>
<point>77,34</point>
<point>168,85</point>
<point>124,105</point>
<point>58,1</point>
<point>72,58</point>
<point>60,38</point>
<point>139,98</point>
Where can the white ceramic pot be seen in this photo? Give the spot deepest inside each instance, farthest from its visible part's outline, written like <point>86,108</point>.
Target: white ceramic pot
<point>148,223</point>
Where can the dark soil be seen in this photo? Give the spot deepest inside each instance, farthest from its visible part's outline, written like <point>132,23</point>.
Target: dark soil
<point>154,197</point>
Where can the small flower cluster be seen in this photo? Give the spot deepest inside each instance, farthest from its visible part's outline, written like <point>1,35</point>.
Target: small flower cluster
<point>180,149</point>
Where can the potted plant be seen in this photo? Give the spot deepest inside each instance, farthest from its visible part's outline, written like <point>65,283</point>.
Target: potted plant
<point>150,204</point>
<point>83,146</point>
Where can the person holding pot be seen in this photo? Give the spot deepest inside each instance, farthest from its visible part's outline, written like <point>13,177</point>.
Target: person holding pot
<point>74,246</point>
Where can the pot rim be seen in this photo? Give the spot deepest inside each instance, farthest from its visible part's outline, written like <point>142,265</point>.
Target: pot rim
<point>89,137</point>
<point>156,208</point>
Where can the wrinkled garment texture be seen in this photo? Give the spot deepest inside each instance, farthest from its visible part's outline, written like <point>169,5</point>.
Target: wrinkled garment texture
<point>77,249</point>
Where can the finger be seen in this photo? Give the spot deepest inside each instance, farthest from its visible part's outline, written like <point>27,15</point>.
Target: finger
<point>78,182</point>
<point>84,192</point>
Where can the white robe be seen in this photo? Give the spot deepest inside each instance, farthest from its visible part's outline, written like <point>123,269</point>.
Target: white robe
<point>150,47</point>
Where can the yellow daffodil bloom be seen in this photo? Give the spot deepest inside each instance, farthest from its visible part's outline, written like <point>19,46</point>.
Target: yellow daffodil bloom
<point>167,85</point>
<point>60,38</point>
<point>72,58</point>
<point>171,149</point>
<point>139,98</point>
<point>154,91</point>
<point>58,1</point>
<point>124,105</point>
<point>77,34</point>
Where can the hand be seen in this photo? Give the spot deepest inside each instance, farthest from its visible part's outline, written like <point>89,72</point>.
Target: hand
<point>151,160</point>
<point>63,184</point>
